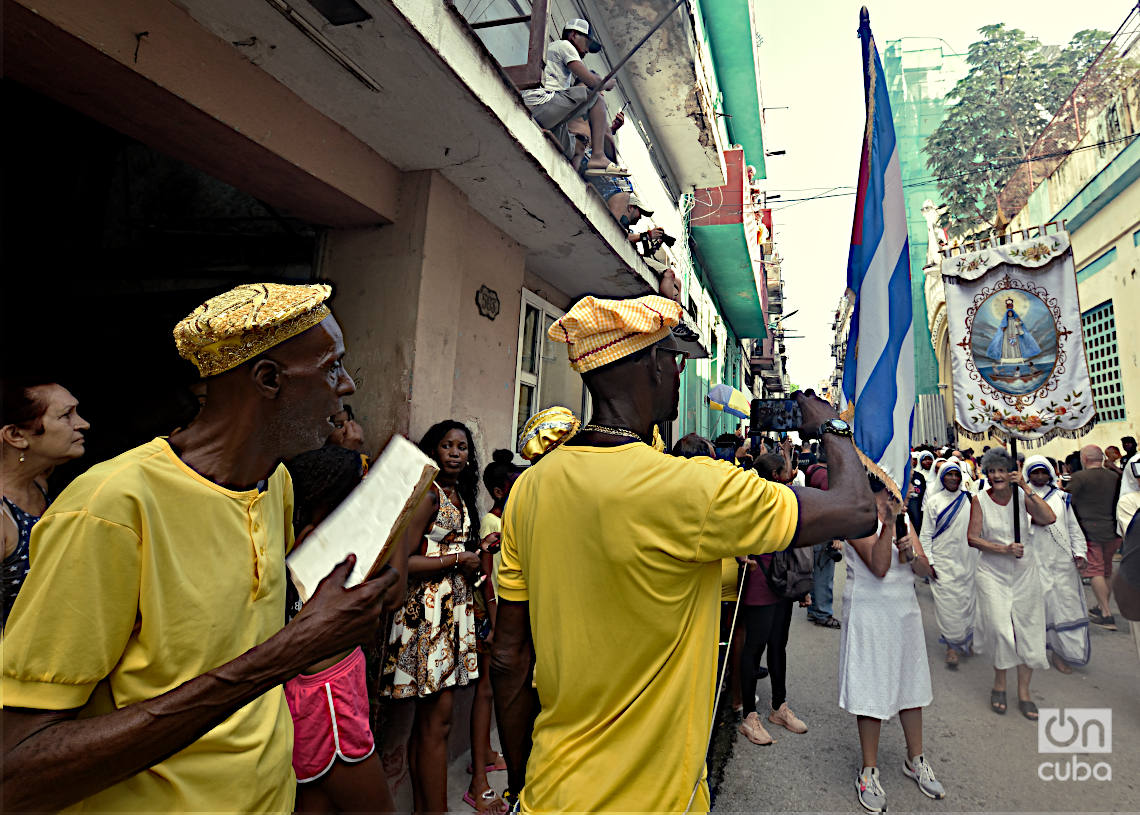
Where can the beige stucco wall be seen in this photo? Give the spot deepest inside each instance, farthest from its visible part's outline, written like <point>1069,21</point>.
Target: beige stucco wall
<point>465,362</point>
<point>416,342</point>
<point>377,273</point>
<point>184,91</point>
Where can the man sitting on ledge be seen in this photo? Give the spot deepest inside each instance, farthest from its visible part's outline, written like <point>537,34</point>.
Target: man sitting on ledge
<point>559,95</point>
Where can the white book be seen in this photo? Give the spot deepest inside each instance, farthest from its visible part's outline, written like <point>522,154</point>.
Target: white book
<point>369,523</point>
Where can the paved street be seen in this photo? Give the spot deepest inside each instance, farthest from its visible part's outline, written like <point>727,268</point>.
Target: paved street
<point>987,763</point>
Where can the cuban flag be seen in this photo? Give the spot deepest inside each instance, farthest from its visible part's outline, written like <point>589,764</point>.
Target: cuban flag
<point>878,373</point>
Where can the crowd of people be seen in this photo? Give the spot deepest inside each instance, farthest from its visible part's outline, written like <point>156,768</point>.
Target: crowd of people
<point>1072,518</point>
<point>157,654</point>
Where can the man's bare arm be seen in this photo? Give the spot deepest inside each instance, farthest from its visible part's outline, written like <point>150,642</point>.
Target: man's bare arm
<point>53,759</point>
<point>847,509</point>
<point>516,702</point>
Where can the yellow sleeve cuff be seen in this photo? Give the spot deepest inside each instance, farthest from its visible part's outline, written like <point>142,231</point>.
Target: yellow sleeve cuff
<point>514,595</point>
<point>42,695</point>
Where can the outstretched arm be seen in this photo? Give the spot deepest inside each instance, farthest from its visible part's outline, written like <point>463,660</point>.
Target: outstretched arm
<point>847,509</point>
<point>516,702</point>
<point>53,759</point>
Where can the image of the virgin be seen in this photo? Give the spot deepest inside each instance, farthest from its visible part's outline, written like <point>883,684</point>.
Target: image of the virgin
<point>1011,343</point>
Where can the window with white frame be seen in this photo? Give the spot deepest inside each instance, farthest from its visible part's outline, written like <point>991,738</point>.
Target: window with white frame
<point>544,377</point>
<point>1099,328</point>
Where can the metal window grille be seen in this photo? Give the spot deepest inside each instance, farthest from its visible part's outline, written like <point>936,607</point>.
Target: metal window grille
<point>1099,327</point>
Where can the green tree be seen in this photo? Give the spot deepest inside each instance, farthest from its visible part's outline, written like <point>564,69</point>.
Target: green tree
<point>1013,87</point>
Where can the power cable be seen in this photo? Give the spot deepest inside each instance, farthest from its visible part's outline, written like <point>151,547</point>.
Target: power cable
<point>922,182</point>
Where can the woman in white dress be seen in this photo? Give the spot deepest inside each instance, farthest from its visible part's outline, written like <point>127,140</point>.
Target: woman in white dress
<point>882,649</point>
<point>1011,609</point>
<point>944,539</point>
<point>1061,550</point>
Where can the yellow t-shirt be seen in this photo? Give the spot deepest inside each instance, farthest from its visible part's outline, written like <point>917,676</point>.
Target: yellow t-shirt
<point>489,525</point>
<point>618,551</point>
<point>729,580</point>
<point>145,575</point>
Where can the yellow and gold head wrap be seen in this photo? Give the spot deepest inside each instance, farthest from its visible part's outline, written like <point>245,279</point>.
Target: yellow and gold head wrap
<point>546,430</point>
<point>248,320</point>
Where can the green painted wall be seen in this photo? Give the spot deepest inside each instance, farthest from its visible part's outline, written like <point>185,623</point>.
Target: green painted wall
<point>729,33</point>
<point>728,264</point>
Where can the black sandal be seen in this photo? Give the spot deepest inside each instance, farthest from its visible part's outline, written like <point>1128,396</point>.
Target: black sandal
<point>1028,709</point>
<point>997,697</point>
<point>829,622</point>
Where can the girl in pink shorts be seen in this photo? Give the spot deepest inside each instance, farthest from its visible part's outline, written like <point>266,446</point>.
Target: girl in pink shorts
<point>330,718</point>
<point>334,752</point>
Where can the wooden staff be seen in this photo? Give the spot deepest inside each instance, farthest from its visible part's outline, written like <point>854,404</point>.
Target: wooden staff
<point>1016,514</point>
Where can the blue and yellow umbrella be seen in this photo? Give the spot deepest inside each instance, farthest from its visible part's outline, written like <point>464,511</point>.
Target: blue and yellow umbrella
<point>728,399</point>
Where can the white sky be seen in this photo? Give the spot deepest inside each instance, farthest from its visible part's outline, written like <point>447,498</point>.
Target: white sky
<point>810,61</point>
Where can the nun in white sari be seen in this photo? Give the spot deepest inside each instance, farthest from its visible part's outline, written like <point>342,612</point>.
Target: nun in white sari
<point>1060,548</point>
<point>944,538</point>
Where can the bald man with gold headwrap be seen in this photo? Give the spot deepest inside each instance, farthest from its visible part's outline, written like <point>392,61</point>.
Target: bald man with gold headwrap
<point>144,658</point>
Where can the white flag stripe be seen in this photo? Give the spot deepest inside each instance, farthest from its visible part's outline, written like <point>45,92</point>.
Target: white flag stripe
<point>899,448</point>
<point>874,326</point>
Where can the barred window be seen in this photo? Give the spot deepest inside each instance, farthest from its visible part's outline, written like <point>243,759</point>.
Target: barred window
<point>1099,327</point>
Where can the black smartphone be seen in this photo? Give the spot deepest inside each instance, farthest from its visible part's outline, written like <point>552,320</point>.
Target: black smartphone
<point>900,526</point>
<point>777,414</point>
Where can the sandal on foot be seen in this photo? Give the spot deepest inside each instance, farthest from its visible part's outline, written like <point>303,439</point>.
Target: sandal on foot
<point>1028,709</point>
<point>498,765</point>
<point>997,702</point>
<point>827,622</point>
<point>610,169</point>
<point>490,800</point>
<point>952,660</point>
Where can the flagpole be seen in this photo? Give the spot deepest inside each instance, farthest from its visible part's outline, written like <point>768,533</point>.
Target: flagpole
<point>865,38</point>
<point>1016,514</point>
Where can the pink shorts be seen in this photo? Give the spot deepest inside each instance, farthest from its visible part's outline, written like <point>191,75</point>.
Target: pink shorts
<point>330,717</point>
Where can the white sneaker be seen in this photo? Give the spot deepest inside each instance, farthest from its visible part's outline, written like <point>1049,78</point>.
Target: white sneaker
<point>870,791</point>
<point>923,775</point>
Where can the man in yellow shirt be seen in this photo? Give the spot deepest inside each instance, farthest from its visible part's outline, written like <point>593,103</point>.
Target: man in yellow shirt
<point>610,572</point>
<point>144,657</point>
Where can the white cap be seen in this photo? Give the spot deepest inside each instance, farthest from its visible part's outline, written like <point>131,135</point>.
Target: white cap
<point>579,25</point>
<point>634,201</point>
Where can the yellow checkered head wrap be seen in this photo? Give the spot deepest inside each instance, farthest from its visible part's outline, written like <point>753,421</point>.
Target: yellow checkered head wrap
<point>248,320</point>
<point>546,430</point>
<point>598,332</point>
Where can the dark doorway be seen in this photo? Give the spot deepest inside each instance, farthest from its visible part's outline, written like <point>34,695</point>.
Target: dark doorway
<point>106,245</point>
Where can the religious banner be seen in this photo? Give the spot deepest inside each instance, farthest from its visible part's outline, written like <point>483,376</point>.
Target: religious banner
<point>1016,350</point>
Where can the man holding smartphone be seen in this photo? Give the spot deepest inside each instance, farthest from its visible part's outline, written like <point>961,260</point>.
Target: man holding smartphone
<point>610,575</point>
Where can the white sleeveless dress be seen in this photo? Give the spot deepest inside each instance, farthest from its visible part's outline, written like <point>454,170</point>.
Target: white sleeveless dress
<point>882,646</point>
<point>1011,606</point>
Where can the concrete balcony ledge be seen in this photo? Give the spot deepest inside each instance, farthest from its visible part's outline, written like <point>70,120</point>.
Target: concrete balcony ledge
<point>664,75</point>
<point>443,105</point>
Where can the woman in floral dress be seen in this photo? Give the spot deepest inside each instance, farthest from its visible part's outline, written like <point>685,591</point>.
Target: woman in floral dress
<point>432,646</point>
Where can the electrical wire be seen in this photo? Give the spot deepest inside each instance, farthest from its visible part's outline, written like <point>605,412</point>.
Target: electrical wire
<point>922,182</point>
